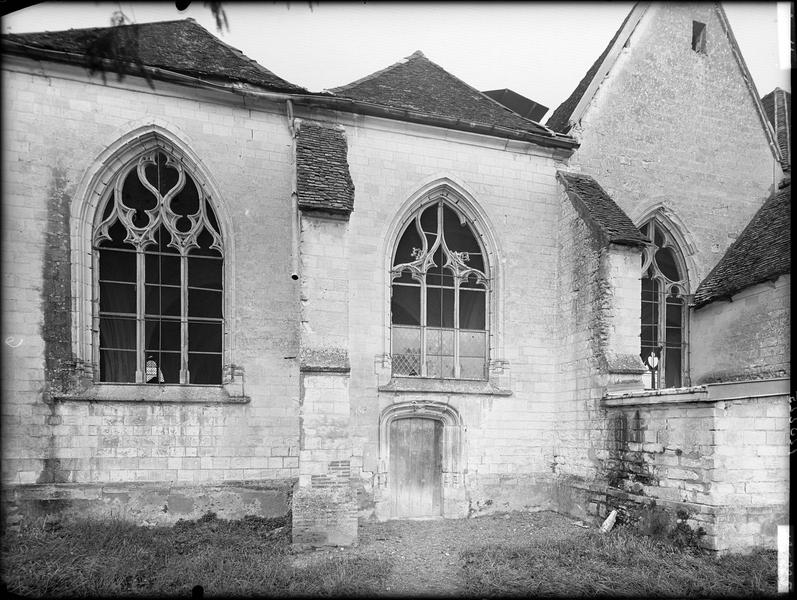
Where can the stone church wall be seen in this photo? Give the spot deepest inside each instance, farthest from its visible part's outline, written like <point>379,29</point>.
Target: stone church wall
<point>747,338</point>
<point>507,437</point>
<point>55,128</point>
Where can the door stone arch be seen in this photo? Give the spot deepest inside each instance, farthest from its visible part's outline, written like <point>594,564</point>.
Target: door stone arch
<point>420,418</point>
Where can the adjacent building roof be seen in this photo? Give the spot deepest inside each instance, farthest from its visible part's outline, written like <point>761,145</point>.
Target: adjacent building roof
<point>323,181</point>
<point>599,211</point>
<point>777,106</point>
<point>417,84</point>
<point>178,46</point>
<point>518,103</point>
<point>761,253</point>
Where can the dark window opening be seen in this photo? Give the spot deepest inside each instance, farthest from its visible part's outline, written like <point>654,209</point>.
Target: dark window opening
<point>160,280</point>
<point>699,37</point>
<point>663,315</point>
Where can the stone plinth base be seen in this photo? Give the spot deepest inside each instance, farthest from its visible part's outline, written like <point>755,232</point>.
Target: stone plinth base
<point>150,503</point>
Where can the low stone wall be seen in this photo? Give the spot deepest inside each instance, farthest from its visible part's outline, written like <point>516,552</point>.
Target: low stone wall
<point>709,463</point>
<point>714,457</point>
<point>147,503</point>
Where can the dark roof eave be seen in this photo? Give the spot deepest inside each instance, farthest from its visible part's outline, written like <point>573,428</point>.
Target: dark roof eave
<point>553,140</point>
<point>322,99</point>
<point>728,293</point>
<point>627,242</point>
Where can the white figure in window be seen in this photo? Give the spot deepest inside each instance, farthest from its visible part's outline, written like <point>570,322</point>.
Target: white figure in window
<point>154,374</point>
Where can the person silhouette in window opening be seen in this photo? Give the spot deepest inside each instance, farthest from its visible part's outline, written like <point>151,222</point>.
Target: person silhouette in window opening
<point>154,374</point>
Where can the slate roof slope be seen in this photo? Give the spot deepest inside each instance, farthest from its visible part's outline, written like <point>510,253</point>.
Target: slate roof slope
<point>323,181</point>
<point>181,46</point>
<point>558,121</point>
<point>418,84</point>
<point>777,106</point>
<point>599,211</point>
<point>762,252</point>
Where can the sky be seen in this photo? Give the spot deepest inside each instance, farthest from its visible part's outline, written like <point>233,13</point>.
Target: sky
<point>540,50</point>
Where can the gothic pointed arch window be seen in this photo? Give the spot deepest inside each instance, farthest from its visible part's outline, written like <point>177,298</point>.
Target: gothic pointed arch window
<point>665,290</point>
<point>159,265</point>
<point>439,297</point>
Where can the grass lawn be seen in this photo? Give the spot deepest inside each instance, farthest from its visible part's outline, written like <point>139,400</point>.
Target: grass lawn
<point>618,564</point>
<point>252,557</point>
<point>228,558</point>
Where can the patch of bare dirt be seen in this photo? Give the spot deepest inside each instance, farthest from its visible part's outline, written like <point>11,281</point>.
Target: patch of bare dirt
<point>424,554</point>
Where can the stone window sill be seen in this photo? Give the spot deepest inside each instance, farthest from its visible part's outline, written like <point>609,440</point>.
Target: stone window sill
<point>443,386</point>
<point>182,394</point>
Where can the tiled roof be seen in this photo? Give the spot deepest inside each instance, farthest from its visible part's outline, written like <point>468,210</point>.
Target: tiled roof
<point>323,181</point>
<point>777,106</point>
<point>419,85</point>
<point>179,46</point>
<point>599,211</point>
<point>525,107</point>
<point>762,252</point>
<point>558,121</point>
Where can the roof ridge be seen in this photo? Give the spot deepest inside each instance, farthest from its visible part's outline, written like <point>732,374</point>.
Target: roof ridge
<point>238,52</point>
<point>108,27</point>
<point>418,55</point>
<point>185,46</point>
<point>375,74</point>
<point>483,95</point>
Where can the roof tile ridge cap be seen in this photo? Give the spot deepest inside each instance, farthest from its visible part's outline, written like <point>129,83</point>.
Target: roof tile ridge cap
<point>565,173</point>
<point>376,74</point>
<point>107,27</point>
<point>482,94</point>
<point>323,124</point>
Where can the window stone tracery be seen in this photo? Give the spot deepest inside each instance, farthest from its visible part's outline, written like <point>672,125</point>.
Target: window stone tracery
<point>665,292</point>
<point>159,286</point>
<point>439,301</point>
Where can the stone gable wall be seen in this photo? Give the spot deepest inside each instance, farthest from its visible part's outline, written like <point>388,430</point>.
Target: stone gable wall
<point>673,127</point>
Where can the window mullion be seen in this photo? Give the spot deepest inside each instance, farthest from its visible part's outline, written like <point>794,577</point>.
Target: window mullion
<point>140,308</point>
<point>488,331</point>
<point>183,317</point>
<point>662,329</point>
<point>685,351</point>
<point>423,326</point>
<point>456,327</point>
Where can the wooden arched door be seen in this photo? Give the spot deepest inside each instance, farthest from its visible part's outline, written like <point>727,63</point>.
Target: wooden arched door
<point>416,467</point>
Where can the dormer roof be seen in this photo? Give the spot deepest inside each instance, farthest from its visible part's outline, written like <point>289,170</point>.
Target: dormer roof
<point>418,84</point>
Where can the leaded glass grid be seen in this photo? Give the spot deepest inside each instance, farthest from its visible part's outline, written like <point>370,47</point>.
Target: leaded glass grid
<point>439,293</point>
<point>160,264</point>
